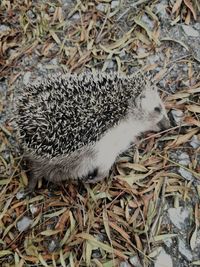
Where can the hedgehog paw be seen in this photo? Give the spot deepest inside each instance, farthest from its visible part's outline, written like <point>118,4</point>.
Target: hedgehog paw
<point>93,177</point>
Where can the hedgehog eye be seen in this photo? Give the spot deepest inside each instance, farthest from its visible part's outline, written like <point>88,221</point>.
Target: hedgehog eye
<point>157,109</point>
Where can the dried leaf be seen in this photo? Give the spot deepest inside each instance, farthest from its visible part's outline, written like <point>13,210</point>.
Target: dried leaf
<point>134,166</point>
<point>192,121</point>
<point>177,96</point>
<point>162,237</point>
<point>88,253</point>
<point>55,37</point>
<point>144,26</point>
<point>42,261</point>
<point>176,6</point>
<point>176,41</point>
<point>4,253</point>
<point>106,225</point>
<point>193,238</point>
<point>120,231</point>
<point>57,213</point>
<point>132,178</point>
<point>193,108</point>
<point>50,232</point>
<point>182,139</point>
<point>188,3</point>
<point>101,245</point>
<point>62,221</point>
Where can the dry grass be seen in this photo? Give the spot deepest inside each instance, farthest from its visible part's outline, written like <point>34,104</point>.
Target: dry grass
<point>103,224</point>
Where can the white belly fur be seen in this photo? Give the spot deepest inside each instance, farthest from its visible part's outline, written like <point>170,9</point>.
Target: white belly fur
<point>115,141</point>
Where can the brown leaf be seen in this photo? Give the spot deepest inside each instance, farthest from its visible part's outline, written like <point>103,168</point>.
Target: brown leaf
<point>176,6</point>
<point>182,139</point>
<point>188,3</point>
<point>138,242</point>
<point>193,121</point>
<point>188,18</point>
<point>193,108</point>
<point>120,231</point>
<point>62,221</point>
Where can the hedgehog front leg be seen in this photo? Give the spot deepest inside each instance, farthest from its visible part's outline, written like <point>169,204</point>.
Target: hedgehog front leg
<point>94,176</point>
<point>114,142</point>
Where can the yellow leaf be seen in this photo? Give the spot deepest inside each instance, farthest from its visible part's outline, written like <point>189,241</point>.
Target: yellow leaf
<point>194,108</point>
<point>42,261</point>
<point>88,253</point>
<point>50,232</point>
<point>4,253</point>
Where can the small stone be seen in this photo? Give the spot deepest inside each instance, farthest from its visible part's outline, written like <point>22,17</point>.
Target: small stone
<point>168,242</point>
<point>33,209</point>
<point>184,159</point>
<point>124,264</point>
<point>114,4</point>
<point>197,26</point>
<point>52,9</point>
<point>148,21</point>
<point>177,115</point>
<point>67,2</point>
<point>160,9</point>
<point>26,77</point>
<point>186,174</point>
<point>190,31</point>
<point>24,224</point>
<point>4,28</point>
<point>110,64</point>
<point>163,259</point>
<point>195,142</point>
<point>184,250</point>
<point>100,7</point>
<point>52,246</point>
<point>178,216</point>
<point>152,58</point>
<point>122,53</point>
<point>76,16</point>
<point>30,14</point>
<point>54,61</point>
<point>135,261</point>
<point>40,66</point>
<point>20,195</point>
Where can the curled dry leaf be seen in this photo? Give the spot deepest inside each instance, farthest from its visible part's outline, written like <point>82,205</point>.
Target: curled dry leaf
<point>182,139</point>
<point>188,3</point>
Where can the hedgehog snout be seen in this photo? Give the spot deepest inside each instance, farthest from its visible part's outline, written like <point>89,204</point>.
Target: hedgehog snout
<point>164,123</point>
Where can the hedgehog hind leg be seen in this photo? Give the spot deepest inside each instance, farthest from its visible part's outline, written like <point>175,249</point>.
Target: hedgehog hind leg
<point>32,183</point>
<point>34,175</point>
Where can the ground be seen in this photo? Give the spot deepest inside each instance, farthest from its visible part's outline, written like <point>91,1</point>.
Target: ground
<point>147,212</point>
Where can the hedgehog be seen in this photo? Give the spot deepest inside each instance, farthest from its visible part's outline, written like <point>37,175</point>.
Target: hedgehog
<point>74,126</point>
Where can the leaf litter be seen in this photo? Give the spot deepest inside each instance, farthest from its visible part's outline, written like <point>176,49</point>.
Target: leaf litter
<point>121,217</point>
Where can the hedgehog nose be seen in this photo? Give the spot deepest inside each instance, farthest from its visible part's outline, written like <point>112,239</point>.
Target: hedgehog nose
<point>164,123</point>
